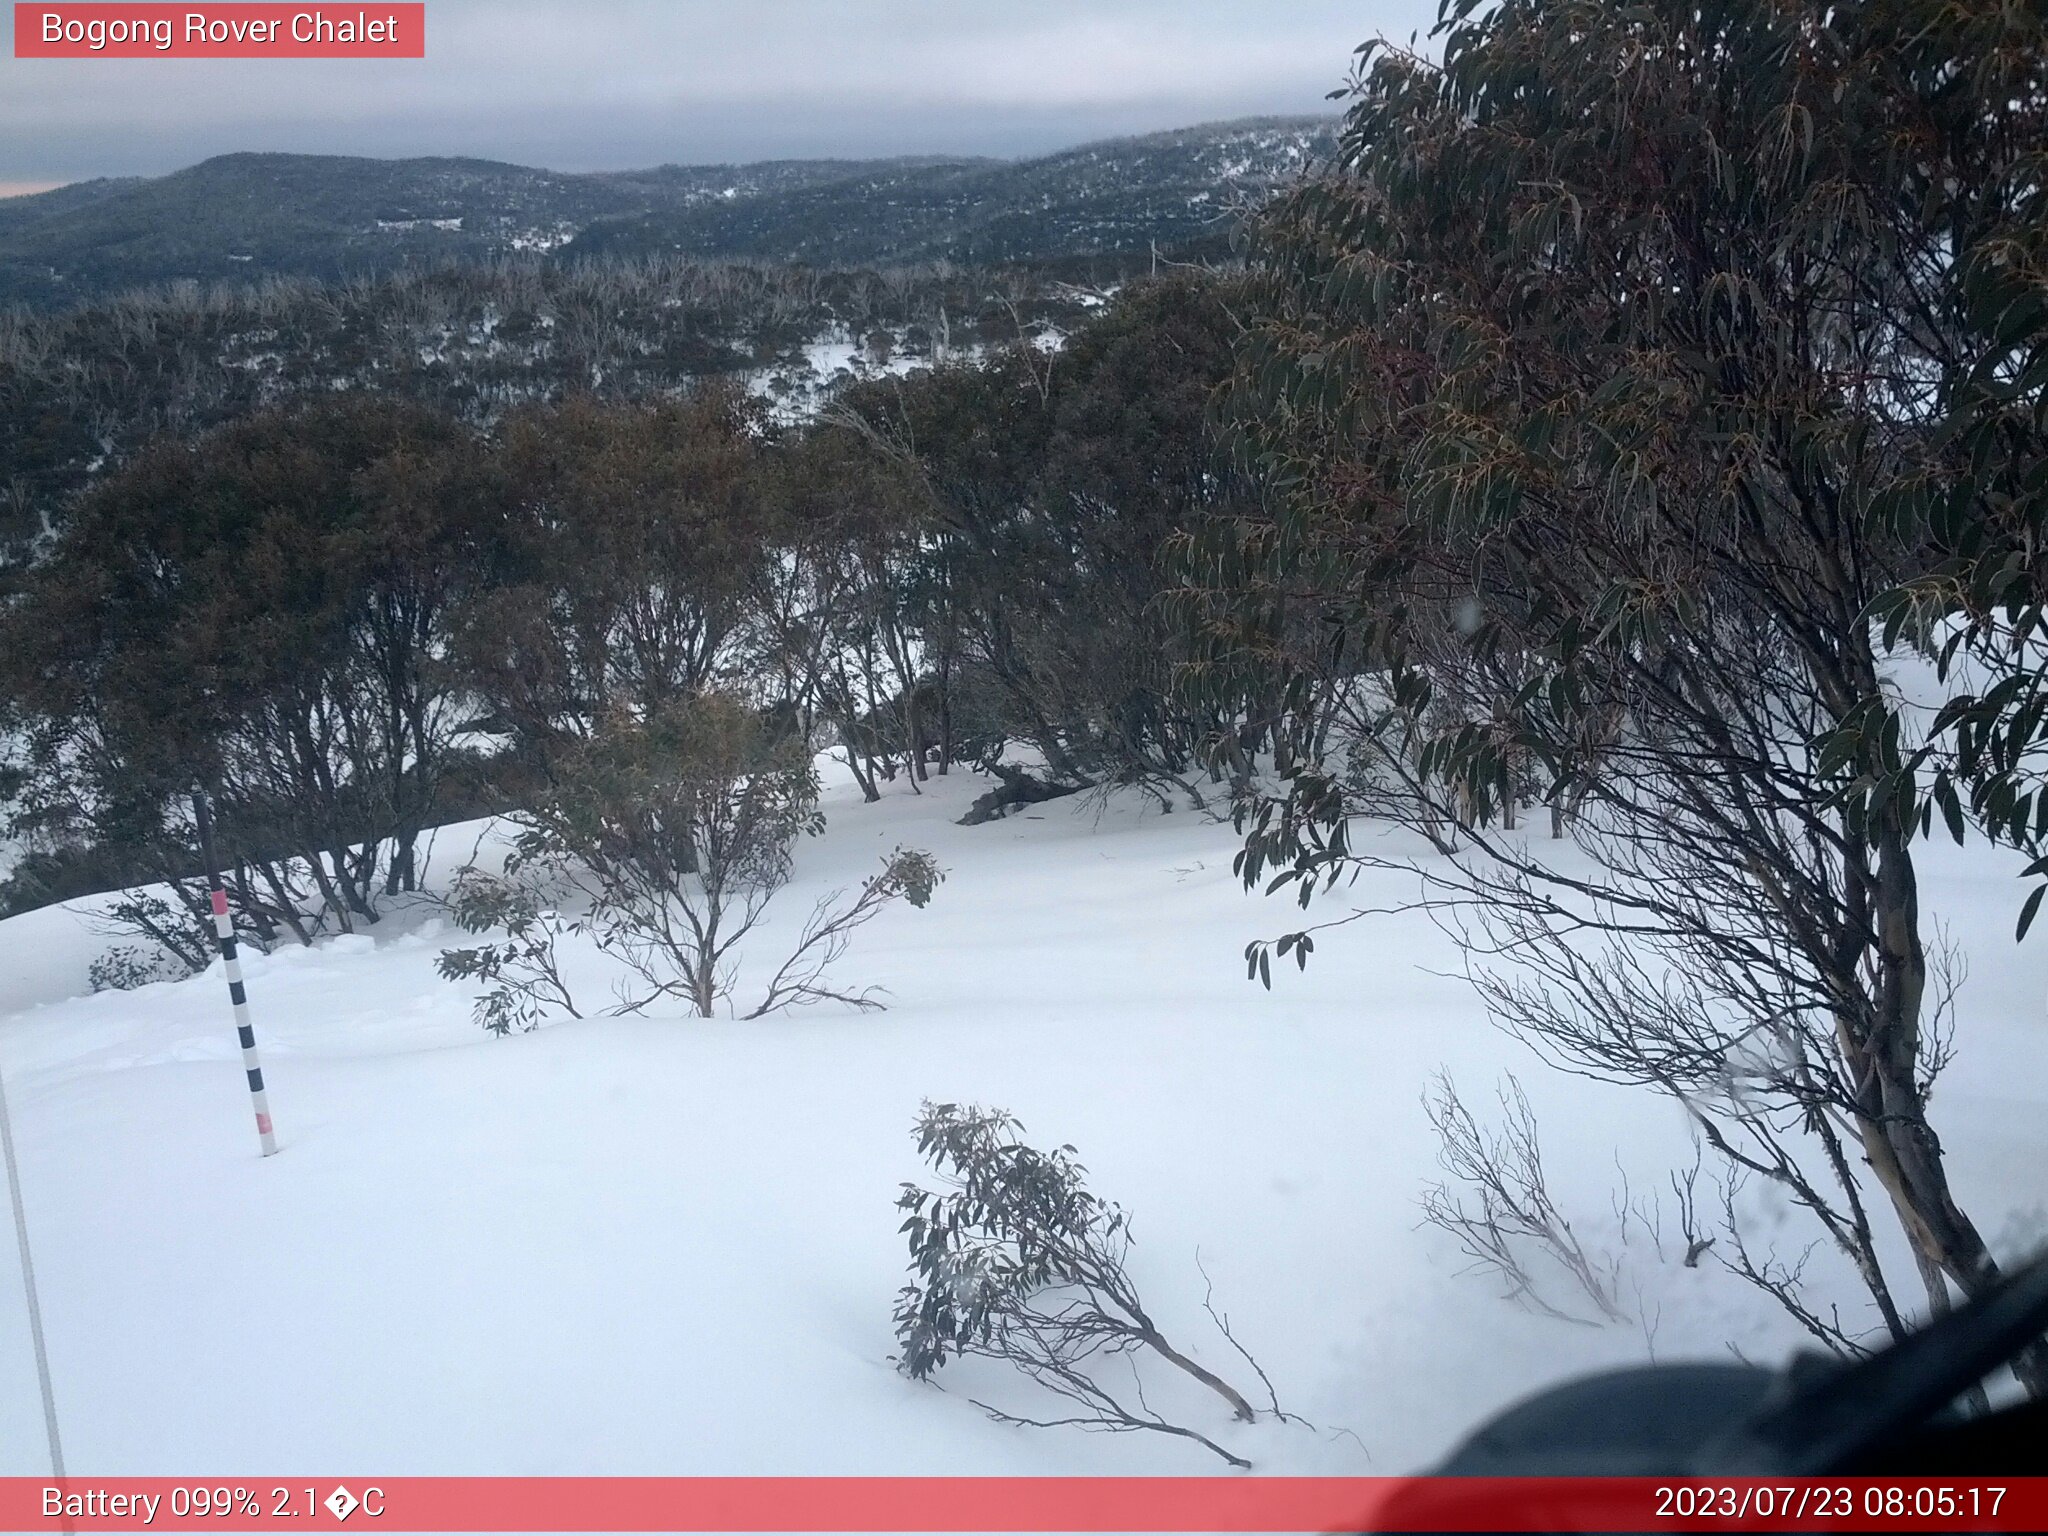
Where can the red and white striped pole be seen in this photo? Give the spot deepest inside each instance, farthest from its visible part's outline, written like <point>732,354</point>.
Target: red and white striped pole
<point>224,929</point>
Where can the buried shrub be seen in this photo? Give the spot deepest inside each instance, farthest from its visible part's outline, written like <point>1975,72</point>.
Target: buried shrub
<point>1019,1261</point>
<point>679,827</point>
<point>525,979</point>
<point>1497,1204</point>
<point>908,873</point>
<point>674,833</point>
<point>128,966</point>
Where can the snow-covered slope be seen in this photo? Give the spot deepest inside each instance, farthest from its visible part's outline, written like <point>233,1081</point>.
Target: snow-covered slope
<point>664,1245</point>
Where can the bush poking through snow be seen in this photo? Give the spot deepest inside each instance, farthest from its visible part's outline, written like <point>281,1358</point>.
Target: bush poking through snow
<point>128,966</point>
<point>1018,1261</point>
<point>175,942</point>
<point>909,873</point>
<point>525,980</point>
<point>1502,1213</point>
<point>675,833</point>
<point>679,828</point>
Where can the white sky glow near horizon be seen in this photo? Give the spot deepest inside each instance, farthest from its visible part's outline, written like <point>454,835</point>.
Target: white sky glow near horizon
<point>619,84</point>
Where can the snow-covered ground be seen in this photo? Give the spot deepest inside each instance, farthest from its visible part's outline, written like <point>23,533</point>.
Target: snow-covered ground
<point>662,1245</point>
<point>797,386</point>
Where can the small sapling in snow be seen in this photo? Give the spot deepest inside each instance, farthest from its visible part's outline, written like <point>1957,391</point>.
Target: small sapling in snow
<point>1018,1261</point>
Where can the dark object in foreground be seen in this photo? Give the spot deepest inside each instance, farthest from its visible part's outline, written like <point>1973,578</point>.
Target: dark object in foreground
<point>1888,1415</point>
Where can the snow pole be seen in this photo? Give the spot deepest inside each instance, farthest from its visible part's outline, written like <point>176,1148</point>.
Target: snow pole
<point>224,929</point>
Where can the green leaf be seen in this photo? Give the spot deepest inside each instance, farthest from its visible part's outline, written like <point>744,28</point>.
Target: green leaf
<point>1951,808</point>
<point>2027,912</point>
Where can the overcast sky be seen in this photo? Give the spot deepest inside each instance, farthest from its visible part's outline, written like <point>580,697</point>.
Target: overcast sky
<point>612,84</point>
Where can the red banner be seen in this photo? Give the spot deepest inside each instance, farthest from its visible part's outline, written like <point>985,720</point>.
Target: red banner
<point>1138,1504</point>
<point>116,31</point>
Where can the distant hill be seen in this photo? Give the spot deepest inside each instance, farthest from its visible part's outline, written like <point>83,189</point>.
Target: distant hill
<point>247,216</point>
<point>1170,190</point>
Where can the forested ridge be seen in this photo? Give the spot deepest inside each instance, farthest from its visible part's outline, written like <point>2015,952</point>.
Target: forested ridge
<point>83,389</point>
<point>240,218</point>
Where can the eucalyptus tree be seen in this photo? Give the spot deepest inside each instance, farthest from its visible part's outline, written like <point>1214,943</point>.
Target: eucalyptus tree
<point>265,612</point>
<point>627,546</point>
<point>1589,374</point>
<point>1053,481</point>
